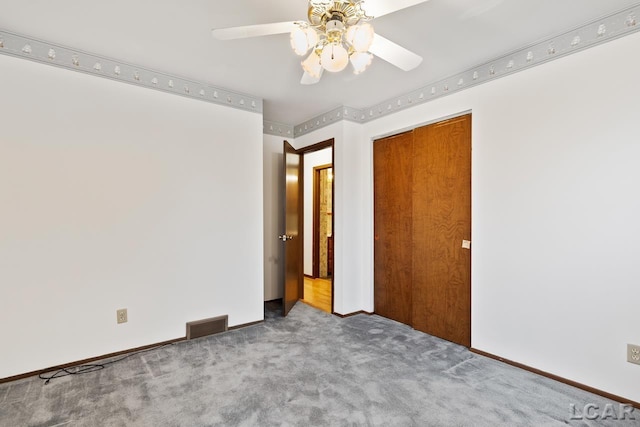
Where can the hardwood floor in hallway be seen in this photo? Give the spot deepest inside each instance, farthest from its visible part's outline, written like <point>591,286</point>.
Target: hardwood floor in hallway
<point>317,293</point>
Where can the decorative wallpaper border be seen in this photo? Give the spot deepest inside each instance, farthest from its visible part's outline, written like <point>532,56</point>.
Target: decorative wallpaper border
<point>277,129</point>
<point>594,33</point>
<point>72,59</point>
<point>336,115</point>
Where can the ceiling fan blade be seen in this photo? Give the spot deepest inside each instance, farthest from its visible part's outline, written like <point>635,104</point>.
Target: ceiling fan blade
<point>308,79</point>
<point>377,8</point>
<point>252,30</point>
<point>394,54</point>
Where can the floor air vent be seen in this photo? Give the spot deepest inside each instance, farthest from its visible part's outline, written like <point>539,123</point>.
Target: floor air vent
<point>202,328</point>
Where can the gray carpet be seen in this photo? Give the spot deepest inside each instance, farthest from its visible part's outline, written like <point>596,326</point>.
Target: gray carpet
<point>308,369</point>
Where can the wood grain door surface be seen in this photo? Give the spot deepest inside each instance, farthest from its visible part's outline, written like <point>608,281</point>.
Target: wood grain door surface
<point>392,172</point>
<point>422,214</point>
<point>293,228</point>
<point>441,221</point>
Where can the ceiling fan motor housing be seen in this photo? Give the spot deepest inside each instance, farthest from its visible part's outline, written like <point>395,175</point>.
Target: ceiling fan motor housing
<point>349,12</point>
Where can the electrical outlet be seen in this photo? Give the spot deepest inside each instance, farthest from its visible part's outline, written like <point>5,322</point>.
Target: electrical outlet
<point>121,315</point>
<point>633,354</point>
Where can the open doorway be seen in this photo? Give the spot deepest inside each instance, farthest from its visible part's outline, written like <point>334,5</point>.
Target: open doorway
<point>318,228</point>
<point>297,183</point>
<point>322,221</point>
<point>318,285</point>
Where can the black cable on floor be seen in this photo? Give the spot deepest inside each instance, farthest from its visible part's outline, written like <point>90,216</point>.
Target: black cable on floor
<point>87,368</point>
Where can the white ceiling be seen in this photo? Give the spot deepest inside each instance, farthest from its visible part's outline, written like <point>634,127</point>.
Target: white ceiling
<point>174,37</point>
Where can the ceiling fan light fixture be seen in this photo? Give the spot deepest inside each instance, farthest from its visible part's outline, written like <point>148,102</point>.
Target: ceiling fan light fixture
<point>302,39</point>
<point>312,65</point>
<point>360,61</point>
<point>334,57</point>
<point>360,37</point>
<point>335,33</point>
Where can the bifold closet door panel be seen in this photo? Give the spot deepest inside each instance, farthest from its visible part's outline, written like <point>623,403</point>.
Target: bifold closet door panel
<point>441,194</point>
<point>392,164</point>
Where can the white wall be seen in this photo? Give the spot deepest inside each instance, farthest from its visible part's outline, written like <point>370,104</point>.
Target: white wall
<point>554,213</point>
<point>273,216</point>
<point>311,160</point>
<point>114,196</point>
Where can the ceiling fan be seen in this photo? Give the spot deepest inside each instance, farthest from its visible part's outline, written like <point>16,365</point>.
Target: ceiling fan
<point>336,33</point>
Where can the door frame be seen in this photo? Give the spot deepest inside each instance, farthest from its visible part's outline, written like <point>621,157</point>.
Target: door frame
<point>329,143</point>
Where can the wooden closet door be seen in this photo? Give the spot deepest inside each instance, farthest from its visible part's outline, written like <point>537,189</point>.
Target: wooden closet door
<point>441,221</point>
<point>392,171</point>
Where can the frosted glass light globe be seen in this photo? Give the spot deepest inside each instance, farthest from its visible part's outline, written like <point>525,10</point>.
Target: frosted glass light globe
<point>360,37</point>
<point>334,57</point>
<point>312,66</point>
<point>360,61</point>
<point>302,39</point>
